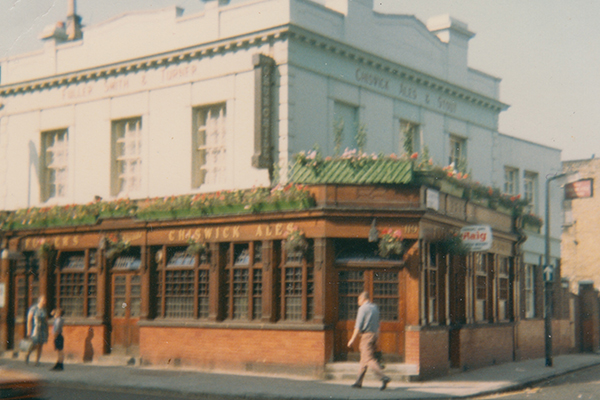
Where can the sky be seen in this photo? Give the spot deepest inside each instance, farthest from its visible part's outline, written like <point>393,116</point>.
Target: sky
<point>547,53</point>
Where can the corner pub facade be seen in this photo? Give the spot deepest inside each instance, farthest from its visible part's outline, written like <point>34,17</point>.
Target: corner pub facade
<point>224,102</point>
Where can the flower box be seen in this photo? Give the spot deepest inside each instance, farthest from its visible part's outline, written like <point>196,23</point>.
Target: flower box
<point>155,215</point>
<point>451,189</point>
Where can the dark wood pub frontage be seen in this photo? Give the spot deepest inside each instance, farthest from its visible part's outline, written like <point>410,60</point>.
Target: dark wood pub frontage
<point>244,299</point>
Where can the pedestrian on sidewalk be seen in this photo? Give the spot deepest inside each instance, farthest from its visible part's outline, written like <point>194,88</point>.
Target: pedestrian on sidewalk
<point>59,340</point>
<point>367,325</point>
<point>37,328</point>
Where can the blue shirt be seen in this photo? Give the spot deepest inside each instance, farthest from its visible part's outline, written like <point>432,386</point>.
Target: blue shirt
<point>367,319</point>
<point>58,326</point>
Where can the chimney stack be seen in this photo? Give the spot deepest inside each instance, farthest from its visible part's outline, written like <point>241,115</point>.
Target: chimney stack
<point>73,22</point>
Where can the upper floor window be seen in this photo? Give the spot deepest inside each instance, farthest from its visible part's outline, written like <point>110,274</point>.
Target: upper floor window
<point>209,159</point>
<point>458,151</point>
<point>530,185</point>
<point>511,180</point>
<point>345,127</point>
<point>126,156</point>
<point>55,168</point>
<point>409,137</point>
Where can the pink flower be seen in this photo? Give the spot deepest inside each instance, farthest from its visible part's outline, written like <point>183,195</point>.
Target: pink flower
<point>414,156</point>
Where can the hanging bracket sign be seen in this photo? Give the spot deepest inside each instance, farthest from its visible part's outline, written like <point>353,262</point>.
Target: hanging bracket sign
<point>477,237</point>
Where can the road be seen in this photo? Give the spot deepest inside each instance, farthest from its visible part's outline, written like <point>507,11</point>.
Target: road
<point>584,384</point>
<point>55,392</point>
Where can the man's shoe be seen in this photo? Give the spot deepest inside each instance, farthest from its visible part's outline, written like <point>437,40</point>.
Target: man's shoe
<point>356,385</point>
<point>384,383</point>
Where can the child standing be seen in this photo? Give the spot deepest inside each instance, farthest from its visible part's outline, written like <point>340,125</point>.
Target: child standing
<point>59,340</point>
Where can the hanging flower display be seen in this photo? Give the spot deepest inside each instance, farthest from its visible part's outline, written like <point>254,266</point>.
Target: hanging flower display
<point>196,247</point>
<point>390,243</point>
<point>114,245</point>
<point>295,241</point>
<point>46,249</point>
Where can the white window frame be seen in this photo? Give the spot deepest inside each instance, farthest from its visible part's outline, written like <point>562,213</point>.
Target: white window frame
<point>530,189</point>
<point>511,180</point>
<point>458,150</point>
<point>209,144</point>
<point>414,130</point>
<point>55,164</point>
<point>348,114</point>
<point>529,291</point>
<point>127,144</point>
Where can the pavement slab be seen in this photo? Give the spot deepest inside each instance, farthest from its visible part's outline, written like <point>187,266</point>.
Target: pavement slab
<point>478,382</point>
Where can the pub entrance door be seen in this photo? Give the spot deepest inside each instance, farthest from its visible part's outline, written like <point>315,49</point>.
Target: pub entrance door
<point>382,284</point>
<point>125,311</point>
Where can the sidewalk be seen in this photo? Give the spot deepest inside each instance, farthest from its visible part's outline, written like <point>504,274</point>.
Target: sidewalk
<point>505,377</point>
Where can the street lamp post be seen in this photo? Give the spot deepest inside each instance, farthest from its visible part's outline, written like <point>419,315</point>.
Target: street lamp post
<point>547,281</point>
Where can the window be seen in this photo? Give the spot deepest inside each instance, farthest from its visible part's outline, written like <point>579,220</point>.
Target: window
<point>77,283</point>
<point>345,127</point>
<point>351,285</point>
<point>503,289</point>
<point>210,146</point>
<point>27,284</point>
<point>297,288</point>
<point>385,294</point>
<point>530,187</point>
<point>55,156</point>
<point>458,151</point>
<point>511,180</point>
<point>529,291</point>
<point>409,137</point>
<point>431,276</point>
<point>183,287</point>
<point>243,281</point>
<point>126,157</point>
<point>481,287</point>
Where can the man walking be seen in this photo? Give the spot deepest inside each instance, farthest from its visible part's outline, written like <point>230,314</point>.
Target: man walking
<point>367,325</point>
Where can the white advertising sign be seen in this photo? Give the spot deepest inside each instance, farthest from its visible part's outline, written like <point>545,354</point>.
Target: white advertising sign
<point>477,237</point>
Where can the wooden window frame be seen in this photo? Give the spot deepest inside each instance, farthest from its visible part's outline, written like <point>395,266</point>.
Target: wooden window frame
<point>54,164</point>
<point>200,268</point>
<point>307,280</point>
<point>89,283</point>
<point>251,272</point>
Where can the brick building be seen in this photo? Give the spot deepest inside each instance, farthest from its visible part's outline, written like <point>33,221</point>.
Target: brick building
<point>581,227</point>
<point>132,181</point>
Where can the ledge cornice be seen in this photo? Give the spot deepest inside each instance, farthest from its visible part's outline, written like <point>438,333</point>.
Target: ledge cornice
<point>256,39</point>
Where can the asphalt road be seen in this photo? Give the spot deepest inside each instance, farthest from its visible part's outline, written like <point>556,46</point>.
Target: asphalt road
<point>584,384</point>
<point>55,392</point>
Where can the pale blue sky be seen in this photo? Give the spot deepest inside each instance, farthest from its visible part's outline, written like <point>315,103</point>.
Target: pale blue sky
<point>547,53</point>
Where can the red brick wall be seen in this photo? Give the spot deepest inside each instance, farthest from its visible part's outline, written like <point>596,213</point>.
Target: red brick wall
<point>482,346</point>
<point>429,350</point>
<point>83,342</point>
<point>235,348</point>
<point>530,339</point>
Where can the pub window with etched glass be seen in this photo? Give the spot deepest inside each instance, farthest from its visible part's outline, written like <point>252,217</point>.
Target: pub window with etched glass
<point>503,288</point>
<point>76,281</point>
<point>243,281</point>
<point>431,285</point>
<point>298,285</point>
<point>481,286</point>
<point>27,284</point>
<point>55,164</point>
<point>183,287</point>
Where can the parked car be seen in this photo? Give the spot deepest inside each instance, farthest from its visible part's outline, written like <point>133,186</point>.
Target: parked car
<point>19,385</point>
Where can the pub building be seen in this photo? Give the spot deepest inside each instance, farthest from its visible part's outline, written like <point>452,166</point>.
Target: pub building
<point>247,301</point>
<point>158,104</point>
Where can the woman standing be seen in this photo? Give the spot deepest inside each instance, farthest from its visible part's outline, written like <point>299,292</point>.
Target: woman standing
<point>37,328</point>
